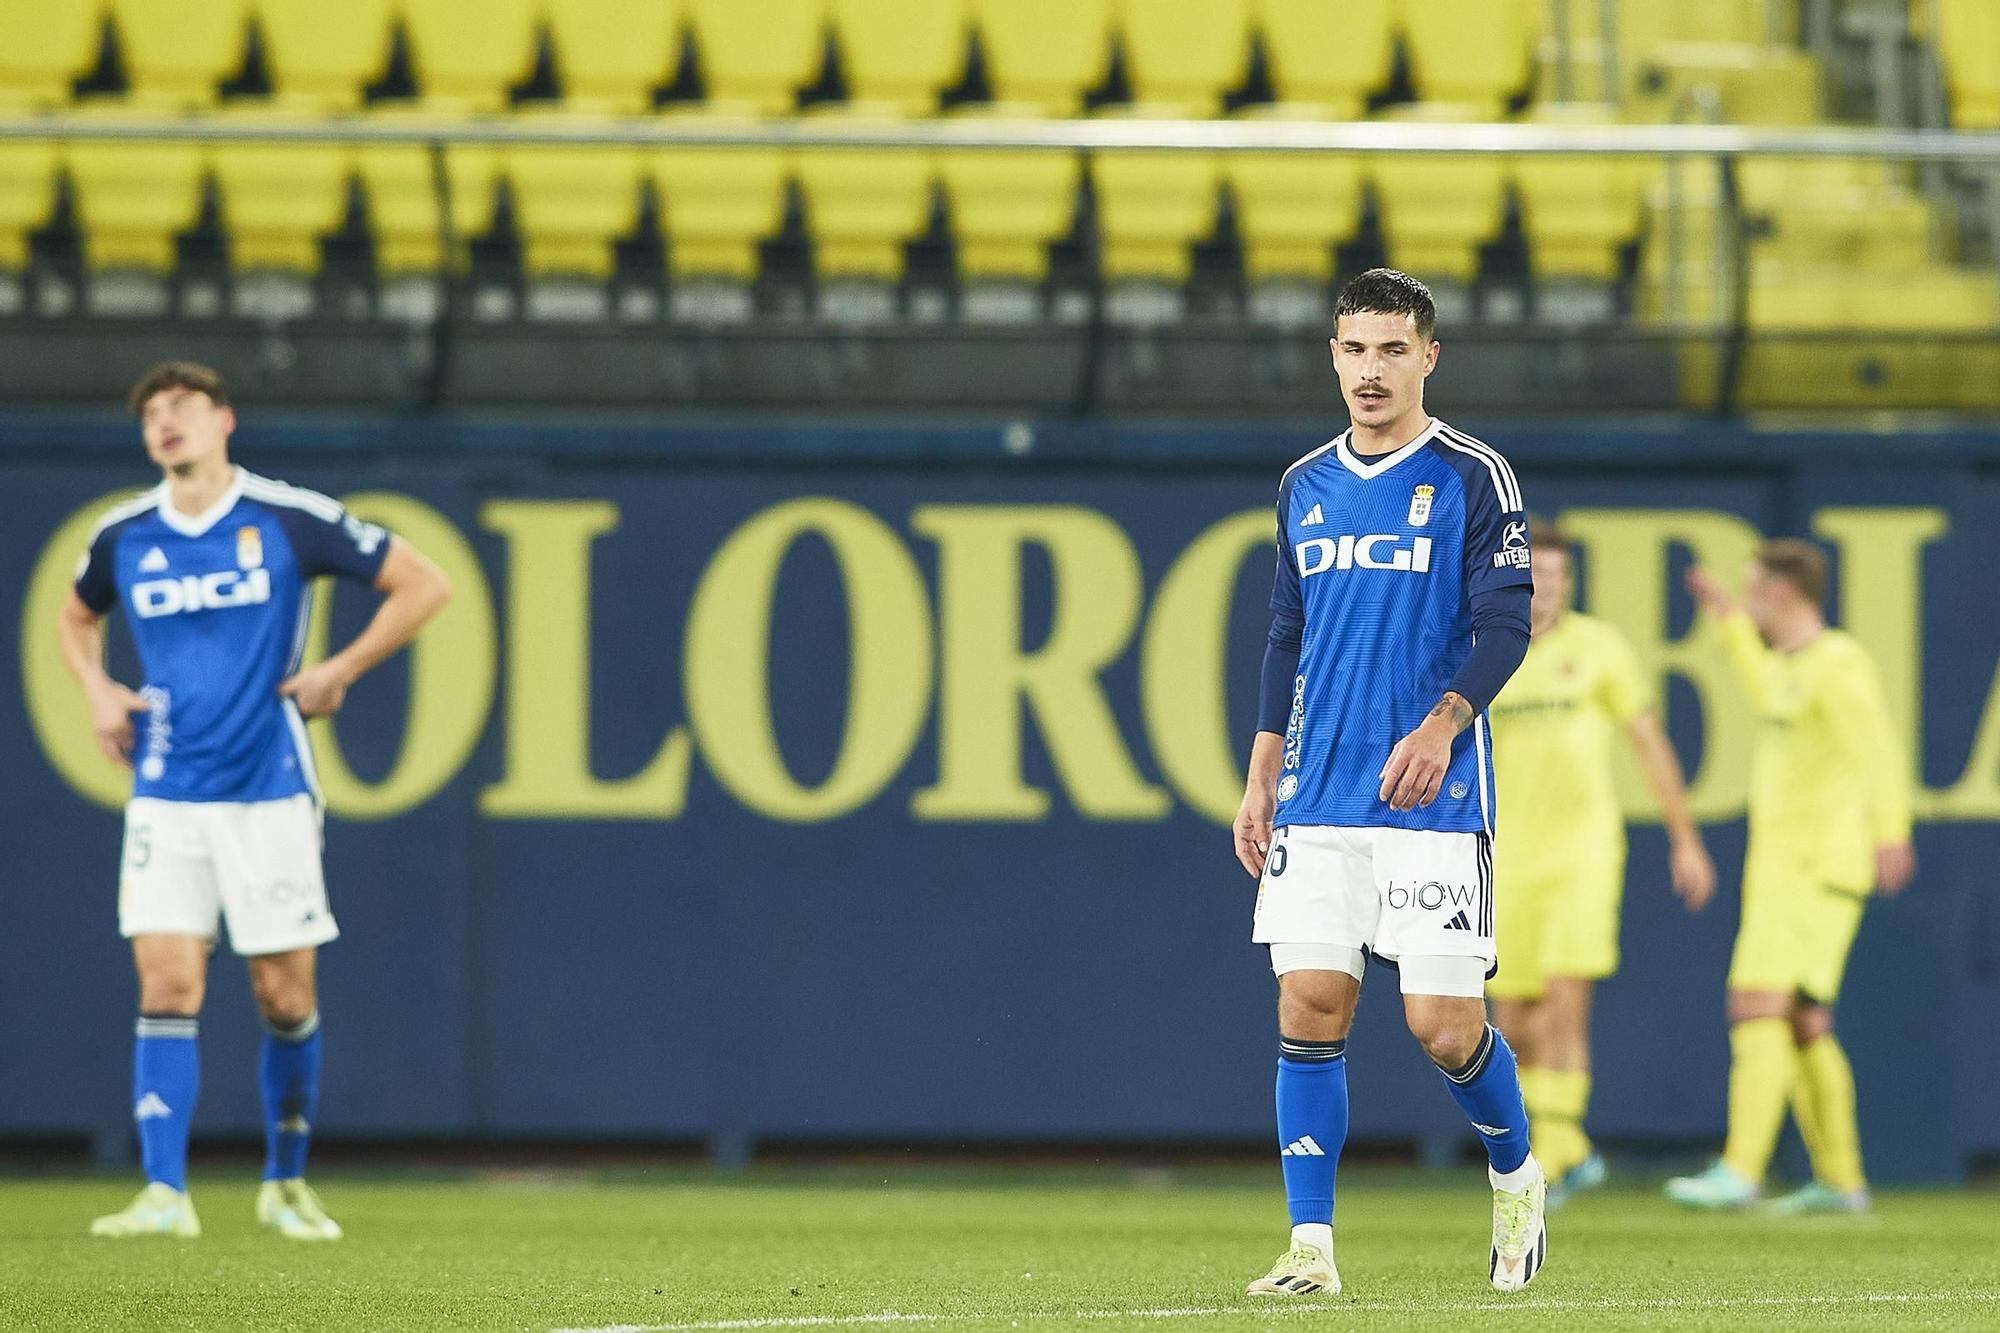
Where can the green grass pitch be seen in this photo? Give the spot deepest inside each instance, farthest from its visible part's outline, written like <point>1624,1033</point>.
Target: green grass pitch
<point>990,1249</point>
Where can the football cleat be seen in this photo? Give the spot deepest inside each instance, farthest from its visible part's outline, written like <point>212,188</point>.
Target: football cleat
<point>1721,1186</point>
<point>1300,1271</point>
<point>1817,1198</point>
<point>159,1210</point>
<point>1520,1234</point>
<point>290,1208</point>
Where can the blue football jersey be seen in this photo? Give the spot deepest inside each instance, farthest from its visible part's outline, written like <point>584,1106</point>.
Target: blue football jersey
<point>1380,559</point>
<point>218,605</point>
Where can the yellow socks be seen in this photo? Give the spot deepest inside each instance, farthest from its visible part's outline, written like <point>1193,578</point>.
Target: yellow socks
<point>1763,1065</point>
<point>1823,1104</point>
<point>1556,1101</point>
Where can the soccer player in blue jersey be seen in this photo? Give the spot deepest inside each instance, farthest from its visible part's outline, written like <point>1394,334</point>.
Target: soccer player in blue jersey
<point>213,570</point>
<point>1400,609</point>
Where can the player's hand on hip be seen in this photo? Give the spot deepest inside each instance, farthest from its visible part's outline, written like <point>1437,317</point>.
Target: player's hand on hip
<point>1417,766</point>
<point>318,690</point>
<point>1895,867</point>
<point>1693,873</point>
<point>1253,829</point>
<point>111,709</point>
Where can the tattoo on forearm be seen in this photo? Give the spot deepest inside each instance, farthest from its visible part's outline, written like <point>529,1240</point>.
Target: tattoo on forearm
<point>1454,709</point>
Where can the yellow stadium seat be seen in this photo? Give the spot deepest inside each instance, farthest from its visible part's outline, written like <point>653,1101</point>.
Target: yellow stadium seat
<point>1007,207</point>
<point>611,54</point>
<point>756,57</point>
<point>1151,209</point>
<point>1185,54</point>
<point>572,203</point>
<point>1579,212</point>
<point>27,195</point>
<point>863,206</point>
<point>279,199</point>
<point>1470,52</point>
<point>716,204</point>
<point>176,53</point>
<point>1292,208</point>
<point>468,53</point>
<point>1326,56</point>
<point>1043,55</point>
<point>321,56</point>
<point>1438,209</point>
<point>401,189</point>
<point>898,55</point>
<point>47,47</point>
<point>1968,42</point>
<point>133,199</point>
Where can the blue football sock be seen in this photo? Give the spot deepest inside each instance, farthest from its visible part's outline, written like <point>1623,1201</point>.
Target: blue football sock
<point>166,1078</point>
<point>1488,1089</point>
<point>1312,1124</point>
<point>289,1073</point>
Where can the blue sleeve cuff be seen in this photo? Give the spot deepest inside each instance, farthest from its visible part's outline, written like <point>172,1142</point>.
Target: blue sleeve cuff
<point>1500,629</point>
<point>1281,669</point>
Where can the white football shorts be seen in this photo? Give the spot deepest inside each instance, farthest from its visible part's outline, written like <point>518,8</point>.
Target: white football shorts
<point>1415,898</point>
<point>254,864</point>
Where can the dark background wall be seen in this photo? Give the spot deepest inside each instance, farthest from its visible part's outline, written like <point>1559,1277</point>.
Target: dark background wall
<point>737,963</point>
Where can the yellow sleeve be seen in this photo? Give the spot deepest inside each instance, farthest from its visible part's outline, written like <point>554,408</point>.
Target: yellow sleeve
<point>1756,666</point>
<point>1621,687</point>
<point>1860,717</point>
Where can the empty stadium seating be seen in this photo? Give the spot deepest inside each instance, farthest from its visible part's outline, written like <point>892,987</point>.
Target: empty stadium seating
<point>1324,60</point>
<point>27,196</point>
<point>899,55</point>
<point>48,46</point>
<point>716,204</point>
<point>177,54</point>
<point>1151,209</point>
<point>321,56</point>
<point>1291,210</point>
<point>572,203</point>
<point>134,199</point>
<point>1043,55</point>
<point>1007,207</point>
<point>278,200</point>
<point>1968,39</point>
<point>862,207</point>
<point>1183,55</point>
<point>1470,53</point>
<point>469,53</point>
<point>611,54</point>
<point>756,57</point>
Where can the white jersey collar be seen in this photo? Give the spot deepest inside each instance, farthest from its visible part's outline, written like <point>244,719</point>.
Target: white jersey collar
<point>1375,467</point>
<point>194,526</point>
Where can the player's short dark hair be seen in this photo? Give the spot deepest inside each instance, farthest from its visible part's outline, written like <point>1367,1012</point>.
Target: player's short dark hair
<point>189,375</point>
<point>1798,563</point>
<point>1388,291</point>
<point>1544,535</point>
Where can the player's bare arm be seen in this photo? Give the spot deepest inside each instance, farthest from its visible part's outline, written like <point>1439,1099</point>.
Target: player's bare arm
<point>1691,870</point>
<point>1417,765</point>
<point>80,632</point>
<point>1895,867</point>
<point>1260,802</point>
<point>414,590</point>
<point>1709,592</point>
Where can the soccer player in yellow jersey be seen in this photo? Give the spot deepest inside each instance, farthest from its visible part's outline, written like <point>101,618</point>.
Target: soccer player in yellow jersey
<point>1561,850</point>
<point>1829,823</point>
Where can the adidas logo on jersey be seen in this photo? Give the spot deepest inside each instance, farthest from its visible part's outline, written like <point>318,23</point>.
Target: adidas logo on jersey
<point>1314,517</point>
<point>1304,1147</point>
<point>153,561</point>
<point>1458,923</point>
<point>150,1107</point>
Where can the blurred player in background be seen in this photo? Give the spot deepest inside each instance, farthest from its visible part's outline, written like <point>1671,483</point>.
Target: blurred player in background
<point>1829,822</point>
<point>213,570</point>
<point>1562,854</point>
<point>1399,610</point>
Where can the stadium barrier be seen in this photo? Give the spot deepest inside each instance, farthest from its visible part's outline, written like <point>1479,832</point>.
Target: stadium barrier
<point>756,804</point>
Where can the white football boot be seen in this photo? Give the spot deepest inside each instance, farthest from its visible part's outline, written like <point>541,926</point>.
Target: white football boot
<point>1300,1271</point>
<point>290,1208</point>
<point>159,1210</point>
<point>1520,1231</point>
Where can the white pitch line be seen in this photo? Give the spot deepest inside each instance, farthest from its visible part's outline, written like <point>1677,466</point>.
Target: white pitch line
<point>1527,1305</point>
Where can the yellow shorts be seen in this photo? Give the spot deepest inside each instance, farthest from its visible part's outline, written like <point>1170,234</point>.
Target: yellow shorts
<point>1561,925</point>
<point>1796,933</point>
